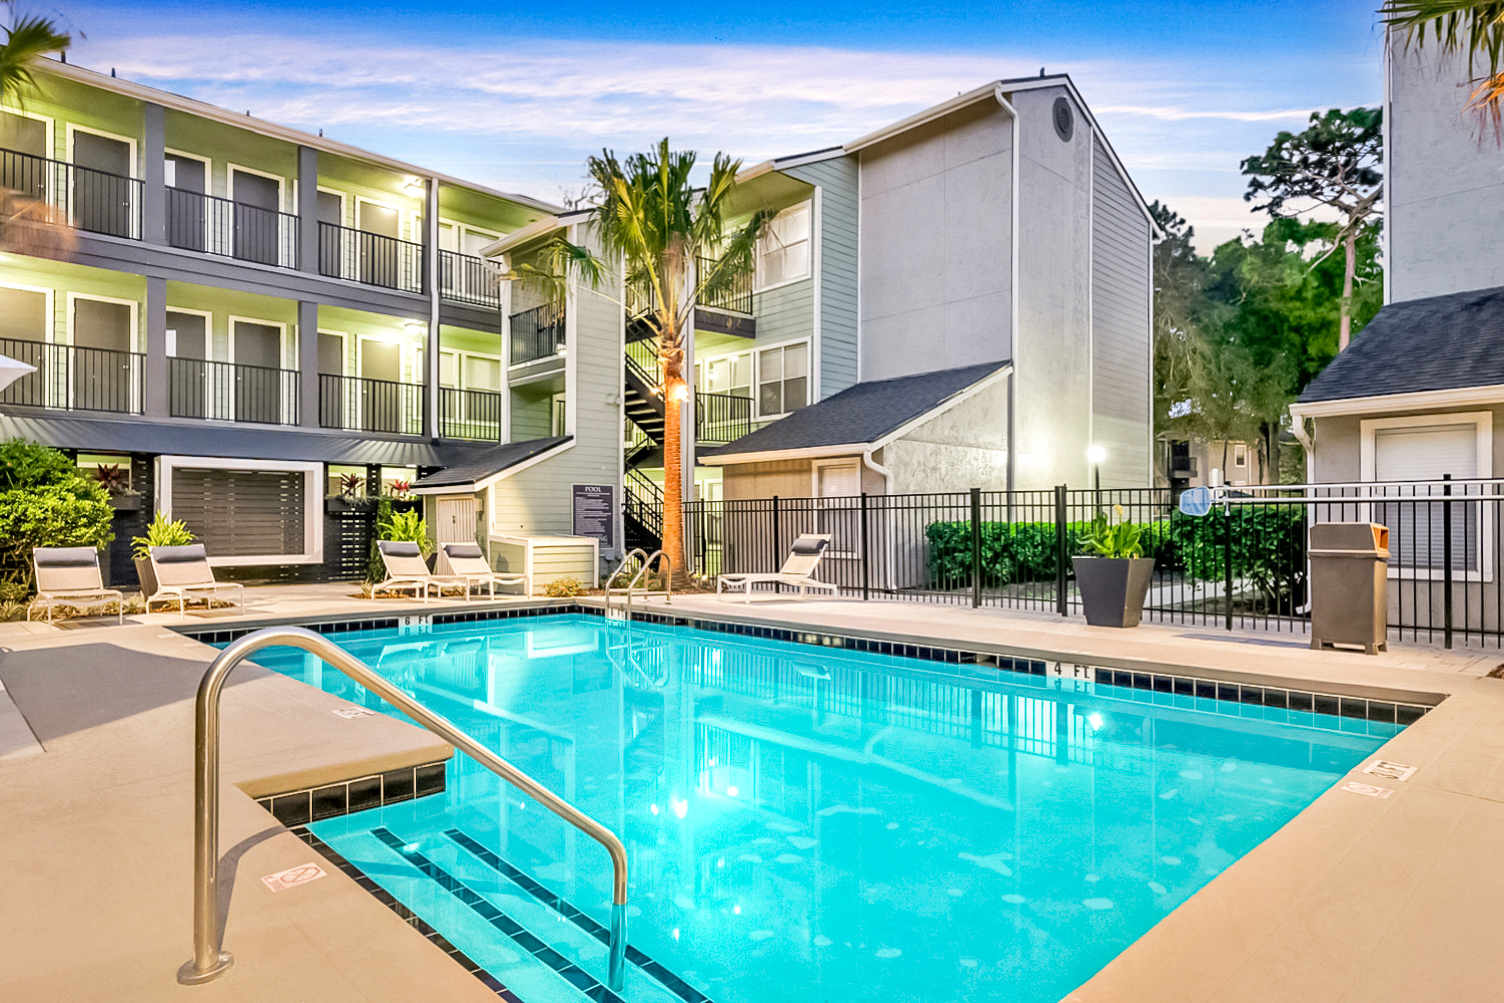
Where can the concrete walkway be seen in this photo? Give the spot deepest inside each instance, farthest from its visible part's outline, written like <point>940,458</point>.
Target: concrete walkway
<point>96,811</point>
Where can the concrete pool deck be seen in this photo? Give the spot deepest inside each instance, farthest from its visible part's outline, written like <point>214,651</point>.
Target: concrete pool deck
<point>1358,898</point>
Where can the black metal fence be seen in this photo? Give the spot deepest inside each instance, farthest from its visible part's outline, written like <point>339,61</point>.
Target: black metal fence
<point>232,391</point>
<point>367,405</point>
<point>736,297</point>
<point>465,278</point>
<point>214,225</point>
<point>372,258</point>
<point>1243,565</point>
<point>75,378</point>
<point>536,333</point>
<point>96,201</point>
<point>470,414</point>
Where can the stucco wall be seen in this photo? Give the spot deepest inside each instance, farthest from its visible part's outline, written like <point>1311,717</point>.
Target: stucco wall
<point>935,269</point>
<point>1339,440</point>
<point>1446,182</point>
<point>964,448</point>
<point>1052,372</point>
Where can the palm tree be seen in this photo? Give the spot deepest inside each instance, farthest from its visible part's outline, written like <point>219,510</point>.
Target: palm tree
<point>673,244</point>
<point>27,225</point>
<point>1474,27</point>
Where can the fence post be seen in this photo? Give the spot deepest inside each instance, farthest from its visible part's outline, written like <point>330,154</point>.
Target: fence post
<point>1061,601</point>
<point>777,559</point>
<point>1446,558</point>
<point>1227,562</point>
<point>866,581</point>
<point>976,547</point>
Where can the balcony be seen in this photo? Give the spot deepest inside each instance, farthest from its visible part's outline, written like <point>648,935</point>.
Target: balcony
<point>470,414</point>
<point>207,223</point>
<point>370,258</point>
<point>230,391</point>
<point>464,278</point>
<point>537,333</point>
<point>734,298</point>
<point>95,201</point>
<point>721,418</point>
<point>366,405</point>
<point>69,378</point>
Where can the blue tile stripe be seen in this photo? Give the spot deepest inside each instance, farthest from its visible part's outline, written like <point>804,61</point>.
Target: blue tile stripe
<point>1386,711</point>
<point>487,910</point>
<point>558,904</point>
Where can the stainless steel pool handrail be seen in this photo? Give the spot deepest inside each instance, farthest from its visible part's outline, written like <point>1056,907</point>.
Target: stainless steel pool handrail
<point>666,567</point>
<point>208,961</point>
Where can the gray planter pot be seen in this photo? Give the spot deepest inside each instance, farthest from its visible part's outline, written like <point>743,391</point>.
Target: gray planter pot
<point>128,502</point>
<point>1113,589</point>
<point>147,576</point>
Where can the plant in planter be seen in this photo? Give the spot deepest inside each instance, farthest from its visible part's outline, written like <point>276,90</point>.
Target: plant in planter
<point>1113,574</point>
<point>117,481</point>
<point>351,497</point>
<point>161,533</point>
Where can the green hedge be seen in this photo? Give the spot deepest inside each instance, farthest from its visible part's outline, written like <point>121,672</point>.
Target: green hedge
<point>1268,547</point>
<point>1022,551</point>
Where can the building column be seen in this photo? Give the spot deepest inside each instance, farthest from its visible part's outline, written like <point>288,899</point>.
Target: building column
<point>308,213</point>
<point>153,176</point>
<point>431,283</point>
<point>308,361</point>
<point>155,405</point>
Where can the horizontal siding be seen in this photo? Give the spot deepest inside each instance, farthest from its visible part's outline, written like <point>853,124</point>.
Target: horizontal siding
<point>839,212</point>
<point>786,313</point>
<point>1120,325</point>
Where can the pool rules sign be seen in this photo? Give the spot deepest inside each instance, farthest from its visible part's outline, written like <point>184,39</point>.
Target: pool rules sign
<point>595,512</point>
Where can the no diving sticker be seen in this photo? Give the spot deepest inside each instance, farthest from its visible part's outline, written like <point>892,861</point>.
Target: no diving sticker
<point>1353,787</point>
<point>351,713</point>
<point>300,875</point>
<point>1389,771</point>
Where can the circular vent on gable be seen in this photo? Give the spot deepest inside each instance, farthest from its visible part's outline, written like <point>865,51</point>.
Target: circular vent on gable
<point>1065,119</point>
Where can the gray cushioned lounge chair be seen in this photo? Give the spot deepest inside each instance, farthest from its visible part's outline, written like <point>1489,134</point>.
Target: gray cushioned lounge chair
<point>468,561</point>
<point>70,576</point>
<point>406,569</point>
<point>184,573</point>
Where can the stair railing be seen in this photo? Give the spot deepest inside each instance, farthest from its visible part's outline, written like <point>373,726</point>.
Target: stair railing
<point>209,962</point>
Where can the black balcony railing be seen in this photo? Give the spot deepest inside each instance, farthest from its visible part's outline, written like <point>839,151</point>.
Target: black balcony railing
<point>470,414</point>
<point>231,391</point>
<point>198,222</point>
<point>70,378</point>
<point>721,418</point>
<point>537,333</point>
<point>96,201</point>
<point>733,295</point>
<point>371,258</point>
<point>464,278</point>
<point>368,405</point>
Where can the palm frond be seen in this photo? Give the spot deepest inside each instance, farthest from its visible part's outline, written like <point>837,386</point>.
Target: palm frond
<point>26,41</point>
<point>1474,28</point>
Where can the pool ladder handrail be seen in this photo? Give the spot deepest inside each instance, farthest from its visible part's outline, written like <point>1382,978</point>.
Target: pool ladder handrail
<point>209,961</point>
<point>666,566</point>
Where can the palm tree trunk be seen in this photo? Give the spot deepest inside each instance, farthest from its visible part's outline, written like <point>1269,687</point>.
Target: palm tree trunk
<point>1344,332</point>
<point>671,364</point>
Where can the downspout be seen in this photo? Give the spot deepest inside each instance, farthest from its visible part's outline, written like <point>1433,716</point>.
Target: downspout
<point>876,468</point>
<point>1298,426</point>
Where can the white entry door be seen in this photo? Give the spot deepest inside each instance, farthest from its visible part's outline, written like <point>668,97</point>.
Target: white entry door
<point>456,524</point>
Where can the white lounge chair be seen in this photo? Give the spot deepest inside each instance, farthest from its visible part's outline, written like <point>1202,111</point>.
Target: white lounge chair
<point>468,561</point>
<point>798,570</point>
<point>406,569</point>
<point>183,573</point>
<point>71,576</point>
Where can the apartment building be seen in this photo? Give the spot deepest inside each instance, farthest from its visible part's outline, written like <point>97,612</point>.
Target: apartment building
<point>960,299</point>
<point>253,323</point>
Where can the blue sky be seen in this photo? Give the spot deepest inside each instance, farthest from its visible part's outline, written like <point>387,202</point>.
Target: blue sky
<point>517,100</point>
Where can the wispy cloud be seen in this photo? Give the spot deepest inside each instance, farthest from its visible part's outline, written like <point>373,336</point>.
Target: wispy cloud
<point>1173,114</point>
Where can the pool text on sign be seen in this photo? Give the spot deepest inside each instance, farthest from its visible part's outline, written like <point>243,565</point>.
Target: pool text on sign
<point>1069,677</point>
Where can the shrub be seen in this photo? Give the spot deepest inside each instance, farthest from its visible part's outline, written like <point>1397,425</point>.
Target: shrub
<point>1010,552</point>
<point>402,527</point>
<point>563,588</point>
<point>161,533</point>
<point>46,501</point>
<point>1268,548</point>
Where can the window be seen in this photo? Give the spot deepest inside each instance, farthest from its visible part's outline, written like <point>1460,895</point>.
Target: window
<point>337,474</point>
<point>119,464</point>
<point>391,475</point>
<point>1240,455</point>
<point>839,481</point>
<point>24,314</point>
<point>558,417</point>
<point>731,374</point>
<point>782,379</point>
<point>783,251</point>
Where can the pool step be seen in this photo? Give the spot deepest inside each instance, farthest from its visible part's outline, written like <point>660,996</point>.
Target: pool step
<point>678,991</point>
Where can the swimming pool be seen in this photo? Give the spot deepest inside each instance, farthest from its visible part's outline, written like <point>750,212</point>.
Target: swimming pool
<point>809,823</point>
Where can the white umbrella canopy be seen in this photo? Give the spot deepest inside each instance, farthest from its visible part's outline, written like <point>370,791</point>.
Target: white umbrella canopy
<point>12,370</point>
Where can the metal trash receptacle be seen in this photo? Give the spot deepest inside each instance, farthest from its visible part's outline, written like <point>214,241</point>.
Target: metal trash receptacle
<point>1350,585</point>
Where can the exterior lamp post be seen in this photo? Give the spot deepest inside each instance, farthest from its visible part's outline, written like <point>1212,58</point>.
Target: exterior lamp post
<point>1096,456</point>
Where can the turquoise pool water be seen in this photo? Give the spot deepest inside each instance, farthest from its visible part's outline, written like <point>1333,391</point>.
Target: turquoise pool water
<point>814,824</point>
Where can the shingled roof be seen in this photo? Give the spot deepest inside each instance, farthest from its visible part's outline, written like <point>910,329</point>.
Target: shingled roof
<point>468,473</point>
<point>1437,343</point>
<point>861,415</point>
